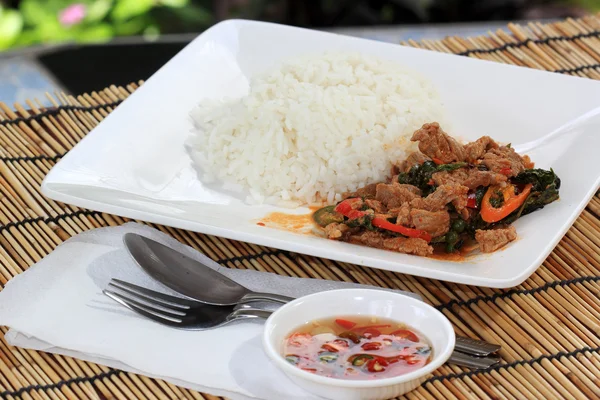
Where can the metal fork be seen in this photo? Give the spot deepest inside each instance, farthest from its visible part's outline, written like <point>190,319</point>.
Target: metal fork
<point>192,315</point>
<point>178,312</point>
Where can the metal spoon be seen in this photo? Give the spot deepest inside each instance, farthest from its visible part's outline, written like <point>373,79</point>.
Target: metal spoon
<point>190,277</point>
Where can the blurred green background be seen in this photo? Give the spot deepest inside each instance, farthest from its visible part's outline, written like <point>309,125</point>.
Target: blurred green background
<point>47,21</point>
<point>30,22</point>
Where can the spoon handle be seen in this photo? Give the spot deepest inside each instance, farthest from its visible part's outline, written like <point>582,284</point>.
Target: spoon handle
<point>563,130</point>
<point>475,347</point>
<point>469,361</point>
<point>266,305</point>
<point>254,296</point>
<point>249,313</point>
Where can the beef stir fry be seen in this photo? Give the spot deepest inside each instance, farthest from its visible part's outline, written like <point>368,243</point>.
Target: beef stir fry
<point>443,196</point>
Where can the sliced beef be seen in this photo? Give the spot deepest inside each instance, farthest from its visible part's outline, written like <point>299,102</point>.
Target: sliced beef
<point>453,190</point>
<point>367,192</point>
<point>437,200</point>
<point>471,178</point>
<point>456,177</point>
<point>399,244</point>
<point>494,239</point>
<point>435,143</point>
<point>376,206</point>
<point>504,160</point>
<point>413,189</point>
<point>460,205</point>
<point>414,246</point>
<point>395,194</point>
<point>402,215</point>
<point>416,158</point>
<point>483,178</point>
<point>436,223</point>
<point>475,150</point>
<point>338,231</point>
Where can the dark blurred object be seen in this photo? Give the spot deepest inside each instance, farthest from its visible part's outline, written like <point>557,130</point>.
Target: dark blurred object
<point>557,11</point>
<point>504,10</point>
<point>324,13</point>
<point>82,69</point>
<point>476,10</point>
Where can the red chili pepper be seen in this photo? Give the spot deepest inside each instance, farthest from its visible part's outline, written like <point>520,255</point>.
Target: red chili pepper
<point>506,171</point>
<point>299,339</point>
<point>344,323</point>
<point>410,232</point>
<point>340,343</point>
<point>329,347</point>
<point>313,370</point>
<point>335,346</point>
<point>405,334</point>
<point>346,208</point>
<point>437,161</point>
<point>371,346</point>
<point>512,201</point>
<point>355,214</point>
<point>395,359</point>
<point>347,204</point>
<point>411,360</point>
<point>471,201</point>
<point>377,365</point>
<point>371,333</point>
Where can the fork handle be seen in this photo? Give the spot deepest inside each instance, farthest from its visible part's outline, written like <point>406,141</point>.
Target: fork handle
<point>254,296</point>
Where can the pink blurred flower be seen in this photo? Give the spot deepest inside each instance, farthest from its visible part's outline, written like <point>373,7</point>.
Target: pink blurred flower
<point>72,15</point>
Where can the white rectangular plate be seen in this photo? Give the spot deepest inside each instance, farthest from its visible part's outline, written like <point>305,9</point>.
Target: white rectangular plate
<point>134,163</point>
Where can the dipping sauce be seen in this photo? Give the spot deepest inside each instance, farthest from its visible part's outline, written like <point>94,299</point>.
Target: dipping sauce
<point>357,348</point>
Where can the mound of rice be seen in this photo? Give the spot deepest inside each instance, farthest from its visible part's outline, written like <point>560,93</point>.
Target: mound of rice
<point>313,128</point>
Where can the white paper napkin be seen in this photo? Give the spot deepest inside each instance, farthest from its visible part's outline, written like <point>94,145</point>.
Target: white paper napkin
<point>57,306</point>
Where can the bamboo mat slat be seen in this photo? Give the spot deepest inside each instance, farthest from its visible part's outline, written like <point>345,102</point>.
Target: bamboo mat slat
<point>549,326</point>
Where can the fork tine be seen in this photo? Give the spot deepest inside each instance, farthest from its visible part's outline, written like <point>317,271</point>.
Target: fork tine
<point>146,312</point>
<point>165,299</point>
<point>176,309</point>
<point>148,303</point>
<point>163,313</point>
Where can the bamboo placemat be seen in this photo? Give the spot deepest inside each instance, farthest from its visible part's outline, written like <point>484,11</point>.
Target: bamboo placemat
<point>549,326</point>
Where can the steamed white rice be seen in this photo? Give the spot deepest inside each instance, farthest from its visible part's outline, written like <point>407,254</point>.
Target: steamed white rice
<point>313,128</point>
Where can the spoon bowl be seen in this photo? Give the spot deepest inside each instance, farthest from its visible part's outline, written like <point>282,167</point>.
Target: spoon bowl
<point>191,277</point>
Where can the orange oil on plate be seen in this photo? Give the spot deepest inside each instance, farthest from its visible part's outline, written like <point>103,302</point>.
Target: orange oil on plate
<point>298,223</point>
